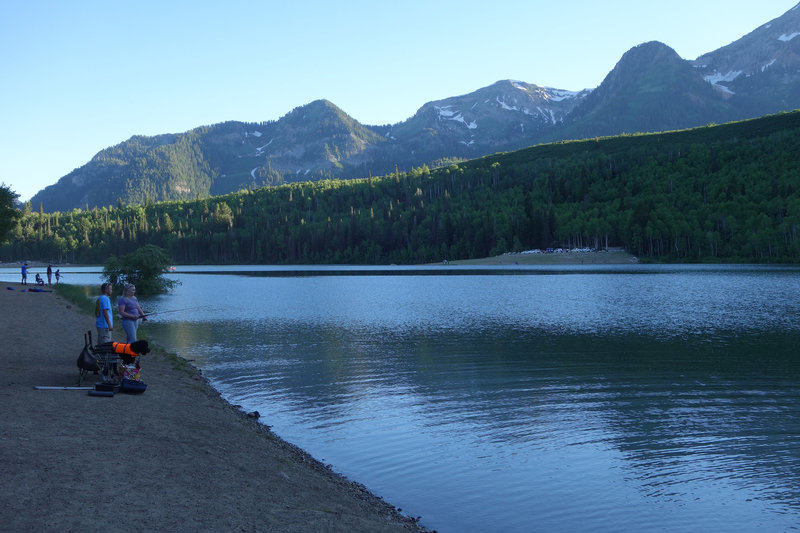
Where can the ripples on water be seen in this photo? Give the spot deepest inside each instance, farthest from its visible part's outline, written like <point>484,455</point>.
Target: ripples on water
<point>557,402</point>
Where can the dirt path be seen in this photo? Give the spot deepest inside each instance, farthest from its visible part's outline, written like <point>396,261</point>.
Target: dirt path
<point>176,458</point>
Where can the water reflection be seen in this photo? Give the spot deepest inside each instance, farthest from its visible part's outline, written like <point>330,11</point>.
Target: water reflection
<point>526,402</point>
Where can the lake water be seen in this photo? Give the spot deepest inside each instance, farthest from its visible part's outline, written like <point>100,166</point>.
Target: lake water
<point>520,399</point>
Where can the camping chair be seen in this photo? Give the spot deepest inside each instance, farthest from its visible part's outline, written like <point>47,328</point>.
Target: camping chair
<point>99,359</point>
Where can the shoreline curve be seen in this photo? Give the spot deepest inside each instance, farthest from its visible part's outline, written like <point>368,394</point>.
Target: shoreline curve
<point>178,457</point>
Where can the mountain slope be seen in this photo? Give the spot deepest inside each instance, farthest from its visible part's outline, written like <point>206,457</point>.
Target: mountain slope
<point>650,89</point>
<point>503,116</point>
<point>141,168</point>
<point>310,142</point>
<point>314,141</point>
<point>759,73</point>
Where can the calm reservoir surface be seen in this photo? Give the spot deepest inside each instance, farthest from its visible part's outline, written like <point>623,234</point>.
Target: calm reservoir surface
<point>616,398</point>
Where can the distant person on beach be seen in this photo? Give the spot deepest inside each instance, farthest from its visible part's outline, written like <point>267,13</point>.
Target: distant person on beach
<point>58,275</point>
<point>39,280</point>
<point>49,274</point>
<point>104,321</point>
<point>131,312</point>
<point>24,273</point>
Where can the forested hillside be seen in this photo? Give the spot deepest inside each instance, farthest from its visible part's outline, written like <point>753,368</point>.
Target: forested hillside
<point>716,193</point>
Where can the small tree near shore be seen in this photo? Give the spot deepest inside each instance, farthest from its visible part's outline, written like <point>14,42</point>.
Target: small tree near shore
<point>8,211</point>
<point>144,268</point>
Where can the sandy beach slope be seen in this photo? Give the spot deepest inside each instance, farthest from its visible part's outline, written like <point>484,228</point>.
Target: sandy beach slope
<point>176,458</point>
<point>614,257</point>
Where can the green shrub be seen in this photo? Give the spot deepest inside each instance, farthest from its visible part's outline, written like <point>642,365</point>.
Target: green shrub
<point>144,268</point>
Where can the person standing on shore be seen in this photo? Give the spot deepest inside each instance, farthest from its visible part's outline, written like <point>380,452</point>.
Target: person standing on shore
<point>104,321</point>
<point>24,273</point>
<point>49,275</point>
<point>131,312</point>
<point>58,275</point>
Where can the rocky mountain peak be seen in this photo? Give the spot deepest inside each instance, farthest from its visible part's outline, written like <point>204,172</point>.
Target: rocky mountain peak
<point>648,61</point>
<point>650,89</point>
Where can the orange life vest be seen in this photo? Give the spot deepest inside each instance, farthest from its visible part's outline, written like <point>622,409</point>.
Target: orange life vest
<point>124,349</point>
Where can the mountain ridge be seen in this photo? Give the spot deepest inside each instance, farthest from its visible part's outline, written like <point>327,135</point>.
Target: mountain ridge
<point>650,89</point>
<point>768,56</point>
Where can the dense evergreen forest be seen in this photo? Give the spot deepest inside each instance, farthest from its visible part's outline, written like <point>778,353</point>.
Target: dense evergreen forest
<point>718,193</point>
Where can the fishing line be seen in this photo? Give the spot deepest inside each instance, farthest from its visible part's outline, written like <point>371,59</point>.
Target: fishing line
<point>177,310</point>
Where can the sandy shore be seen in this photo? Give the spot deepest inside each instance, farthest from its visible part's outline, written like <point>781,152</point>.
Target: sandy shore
<point>616,257</point>
<point>176,458</point>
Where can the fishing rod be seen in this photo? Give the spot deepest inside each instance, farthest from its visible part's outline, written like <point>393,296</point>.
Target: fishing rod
<point>177,310</point>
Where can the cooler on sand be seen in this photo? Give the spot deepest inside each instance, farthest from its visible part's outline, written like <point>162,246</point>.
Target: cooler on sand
<point>130,386</point>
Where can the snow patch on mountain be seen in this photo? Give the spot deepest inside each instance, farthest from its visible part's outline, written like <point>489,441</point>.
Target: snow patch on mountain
<point>786,37</point>
<point>447,114</point>
<point>559,95</point>
<point>548,115</point>
<point>504,105</point>
<point>556,95</point>
<point>260,149</point>
<point>716,79</point>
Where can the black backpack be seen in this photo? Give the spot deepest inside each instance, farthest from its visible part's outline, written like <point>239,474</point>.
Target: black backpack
<point>86,360</point>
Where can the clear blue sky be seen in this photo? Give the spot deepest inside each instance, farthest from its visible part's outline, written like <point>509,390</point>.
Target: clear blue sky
<point>77,76</point>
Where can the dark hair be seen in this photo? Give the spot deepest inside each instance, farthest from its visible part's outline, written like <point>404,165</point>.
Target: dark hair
<point>103,286</point>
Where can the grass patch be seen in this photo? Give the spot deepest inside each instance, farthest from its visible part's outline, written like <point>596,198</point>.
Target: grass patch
<point>81,296</point>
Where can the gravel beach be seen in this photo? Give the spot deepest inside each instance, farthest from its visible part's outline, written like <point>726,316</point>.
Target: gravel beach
<point>176,458</point>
